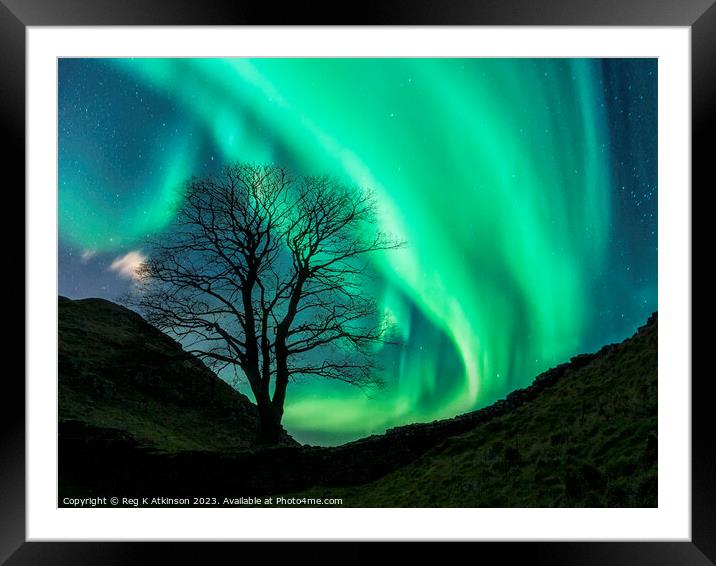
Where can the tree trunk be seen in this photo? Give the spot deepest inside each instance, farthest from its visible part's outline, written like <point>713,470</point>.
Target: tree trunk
<point>271,410</point>
<point>269,425</point>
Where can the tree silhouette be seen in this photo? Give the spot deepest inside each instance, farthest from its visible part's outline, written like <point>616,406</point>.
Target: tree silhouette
<point>266,274</point>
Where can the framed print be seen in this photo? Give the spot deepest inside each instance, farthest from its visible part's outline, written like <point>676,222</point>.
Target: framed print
<point>398,278</point>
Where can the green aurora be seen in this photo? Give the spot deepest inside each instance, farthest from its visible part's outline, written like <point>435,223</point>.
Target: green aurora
<point>498,173</point>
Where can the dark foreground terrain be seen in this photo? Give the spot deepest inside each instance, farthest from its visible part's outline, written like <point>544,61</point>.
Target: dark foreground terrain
<point>141,418</point>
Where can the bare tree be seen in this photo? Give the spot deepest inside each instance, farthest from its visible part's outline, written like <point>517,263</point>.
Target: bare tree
<point>266,274</point>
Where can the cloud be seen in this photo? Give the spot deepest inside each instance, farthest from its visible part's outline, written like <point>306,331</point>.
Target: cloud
<point>127,265</point>
<point>87,255</point>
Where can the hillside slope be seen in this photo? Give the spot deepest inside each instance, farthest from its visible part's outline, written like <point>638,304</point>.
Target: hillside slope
<point>588,439</point>
<point>139,416</point>
<point>119,377</point>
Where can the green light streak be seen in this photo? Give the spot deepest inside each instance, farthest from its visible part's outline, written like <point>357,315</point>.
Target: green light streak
<point>493,171</point>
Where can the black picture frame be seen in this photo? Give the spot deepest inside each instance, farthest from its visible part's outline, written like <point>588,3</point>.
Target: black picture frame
<point>17,15</point>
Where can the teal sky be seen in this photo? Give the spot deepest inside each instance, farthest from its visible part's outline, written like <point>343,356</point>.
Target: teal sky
<point>524,188</point>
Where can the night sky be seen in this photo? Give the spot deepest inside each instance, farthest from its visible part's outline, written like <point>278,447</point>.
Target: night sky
<point>526,190</point>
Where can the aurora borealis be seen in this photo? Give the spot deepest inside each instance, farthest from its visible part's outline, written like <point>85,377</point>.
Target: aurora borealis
<point>524,188</point>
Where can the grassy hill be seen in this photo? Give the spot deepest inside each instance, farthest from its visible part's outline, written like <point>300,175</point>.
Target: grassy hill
<point>118,375</point>
<point>139,416</point>
<point>587,440</point>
